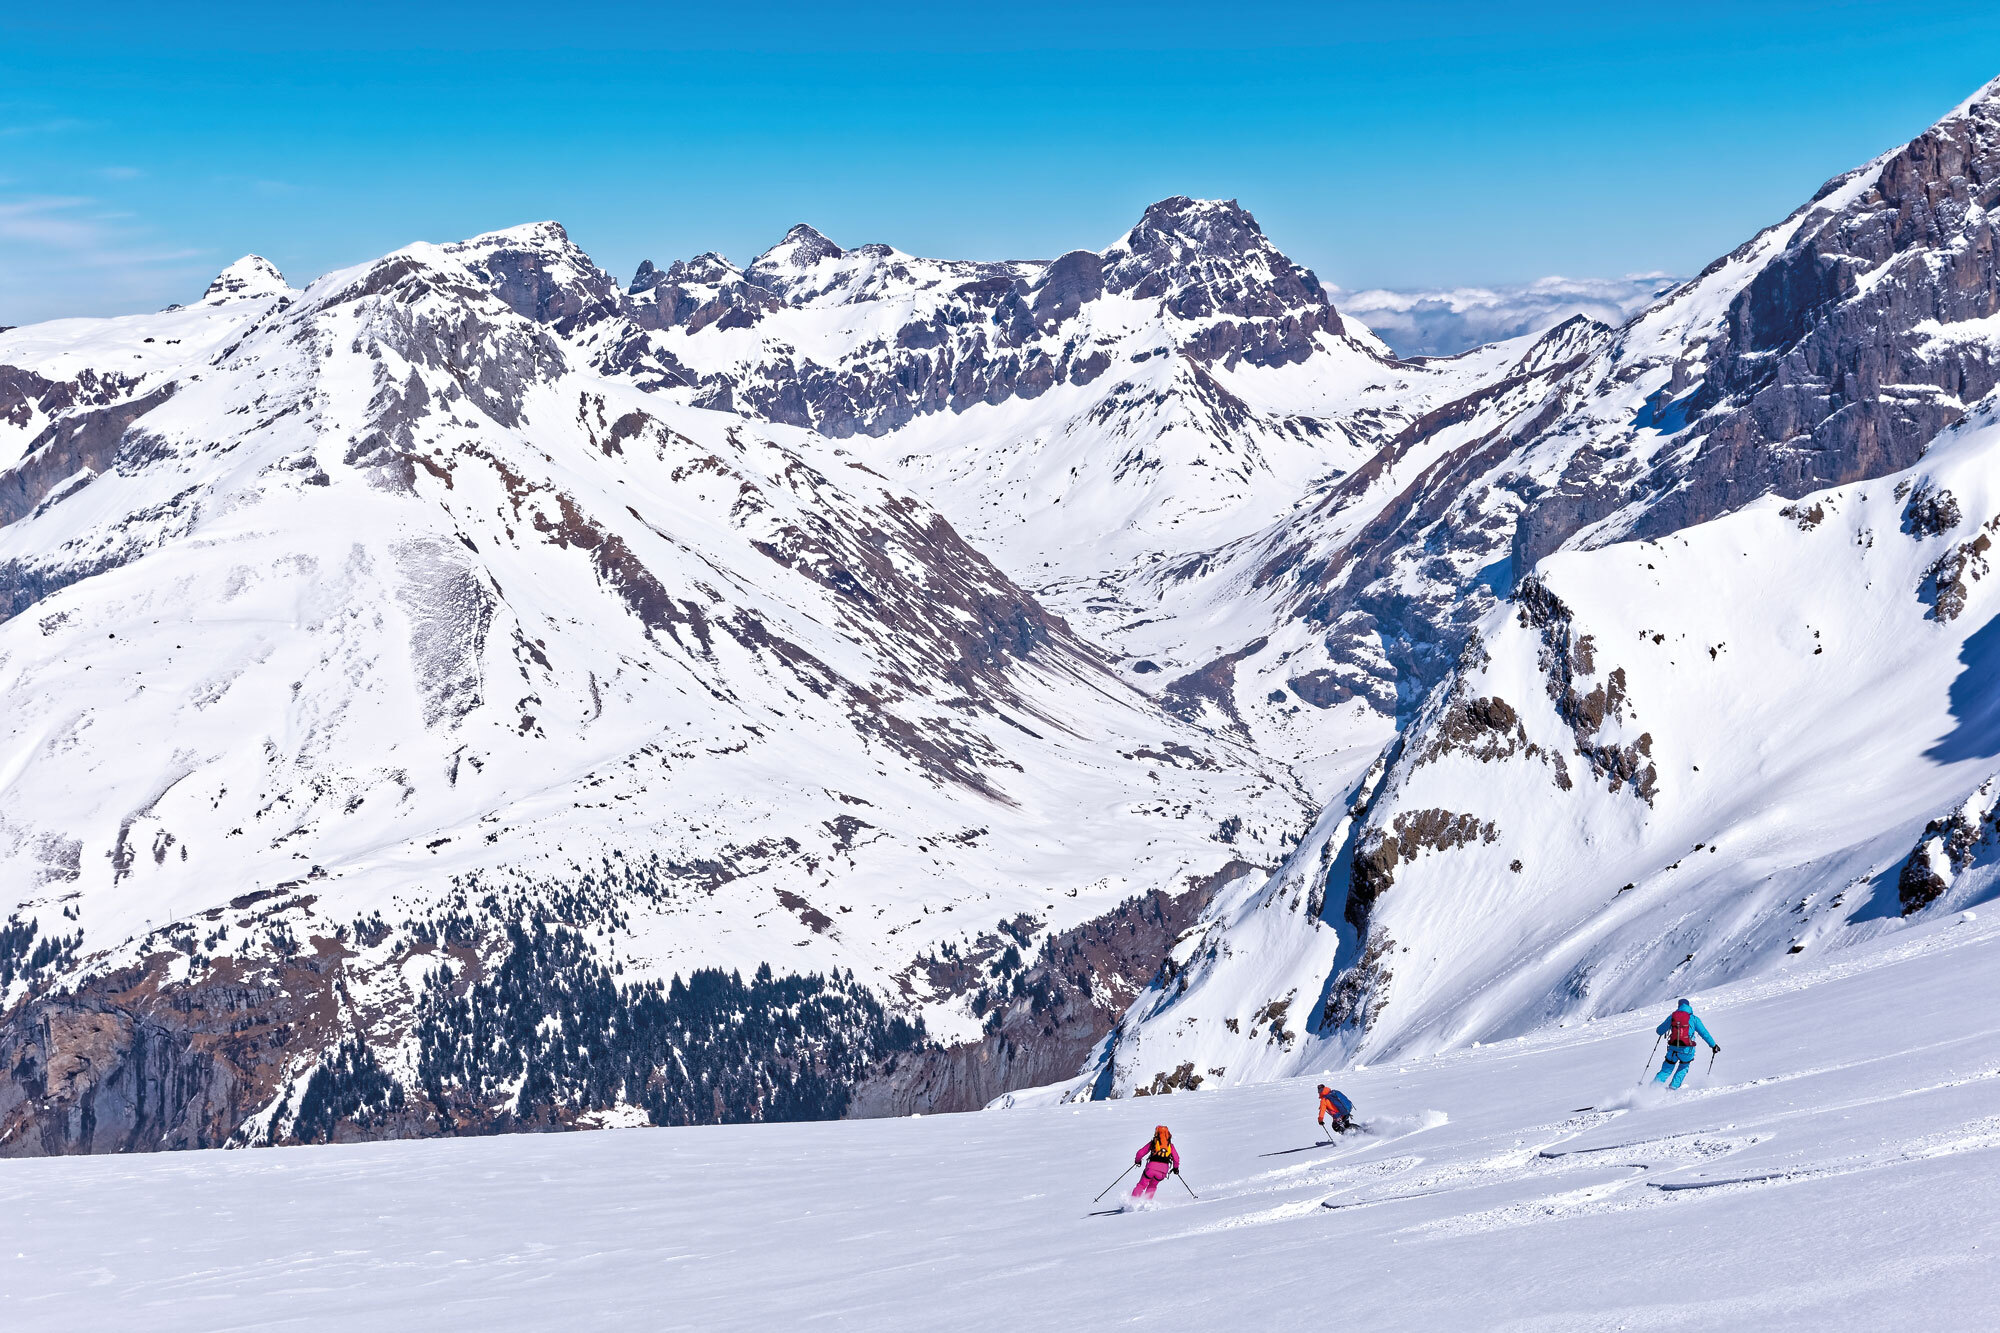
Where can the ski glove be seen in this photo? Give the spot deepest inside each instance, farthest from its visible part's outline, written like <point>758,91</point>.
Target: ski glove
<point>1717,1050</point>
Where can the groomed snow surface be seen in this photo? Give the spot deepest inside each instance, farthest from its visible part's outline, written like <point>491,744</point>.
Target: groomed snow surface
<point>1837,1169</point>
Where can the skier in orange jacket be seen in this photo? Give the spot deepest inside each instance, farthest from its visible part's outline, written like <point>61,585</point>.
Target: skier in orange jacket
<point>1334,1107</point>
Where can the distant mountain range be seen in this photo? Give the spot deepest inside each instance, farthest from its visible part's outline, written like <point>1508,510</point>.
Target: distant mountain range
<point>472,693</point>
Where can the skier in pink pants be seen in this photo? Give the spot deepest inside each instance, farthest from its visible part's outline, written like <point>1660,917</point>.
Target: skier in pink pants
<point>1162,1159</point>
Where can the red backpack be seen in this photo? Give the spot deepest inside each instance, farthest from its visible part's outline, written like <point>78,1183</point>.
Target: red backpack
<point>1678,1033</point>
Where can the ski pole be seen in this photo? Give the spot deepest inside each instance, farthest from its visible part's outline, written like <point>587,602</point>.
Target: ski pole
<point>1649,1059</point>
<point>1184,1185</point>
<point>1114,1184</point>
<point>1713,1051</point>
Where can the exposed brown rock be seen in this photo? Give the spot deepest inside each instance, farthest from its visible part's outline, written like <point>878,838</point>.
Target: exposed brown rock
<point>131,1062</point>
<point>1944,583</point>
<point>1409,835</point>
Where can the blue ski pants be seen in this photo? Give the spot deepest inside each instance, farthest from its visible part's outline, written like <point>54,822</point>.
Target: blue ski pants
<point>1679,1059</point>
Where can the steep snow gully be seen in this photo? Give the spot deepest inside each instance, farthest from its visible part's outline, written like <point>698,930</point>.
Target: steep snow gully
<point>468,694</point>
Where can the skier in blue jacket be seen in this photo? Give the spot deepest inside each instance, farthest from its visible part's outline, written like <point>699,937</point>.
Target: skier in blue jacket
<point>1680,1029</point>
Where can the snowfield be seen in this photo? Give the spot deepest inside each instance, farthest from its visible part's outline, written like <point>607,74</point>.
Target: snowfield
<point>1836,1169</point>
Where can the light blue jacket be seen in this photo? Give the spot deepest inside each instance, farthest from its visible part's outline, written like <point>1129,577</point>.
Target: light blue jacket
<point>1694,1023</point>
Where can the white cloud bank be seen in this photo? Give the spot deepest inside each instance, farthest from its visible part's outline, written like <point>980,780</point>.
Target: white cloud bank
<point>1444,323</point>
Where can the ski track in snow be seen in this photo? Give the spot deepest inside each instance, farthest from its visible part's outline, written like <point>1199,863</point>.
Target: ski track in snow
<point>1833,1175</point>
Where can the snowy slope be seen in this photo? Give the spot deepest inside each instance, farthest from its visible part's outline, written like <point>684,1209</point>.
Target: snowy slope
<point>1747,772</point>
<point>389,623</point>
<point>1832,1172</point>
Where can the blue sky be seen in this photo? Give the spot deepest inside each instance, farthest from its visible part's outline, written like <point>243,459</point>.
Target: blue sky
<point>144,146</point>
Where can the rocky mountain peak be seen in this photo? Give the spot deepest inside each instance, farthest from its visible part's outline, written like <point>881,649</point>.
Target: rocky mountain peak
<point>542,274</point>
<point>1218,224</point>
<point>547,242</point>
<point>707,267</point>
<point>1068,284</point>
<point>799,252</point>
<point>645,278</point>
<point>1830,348</point>
<point>546,234</point>
<point>1988,97</point>
<point>1208,258</point>
<point>249,277</point>
<point>692,294</point>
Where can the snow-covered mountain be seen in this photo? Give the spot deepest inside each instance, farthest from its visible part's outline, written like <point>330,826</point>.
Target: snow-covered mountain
<point>470,692</point>
<point>364,644</point>
<point>1703,612</point>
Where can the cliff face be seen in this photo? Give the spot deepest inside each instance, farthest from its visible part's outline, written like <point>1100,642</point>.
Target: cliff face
<point>143,1059</point>
<point>1840,358</point>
